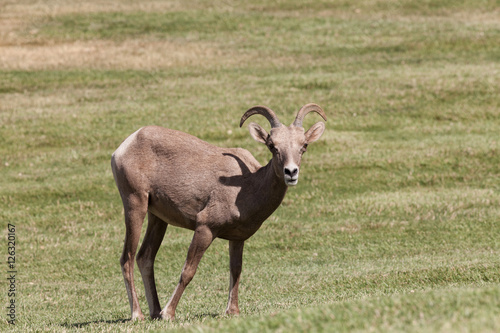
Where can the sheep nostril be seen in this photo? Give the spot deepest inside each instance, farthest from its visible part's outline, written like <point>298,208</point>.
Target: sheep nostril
<point>292,172</point>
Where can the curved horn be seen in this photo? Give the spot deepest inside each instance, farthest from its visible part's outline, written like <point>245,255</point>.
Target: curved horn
<point>264,111</point>
<point>305,110</point>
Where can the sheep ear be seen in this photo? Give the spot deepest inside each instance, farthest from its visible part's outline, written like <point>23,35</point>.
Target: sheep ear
<point>315,132</point>
<point>258,133</point>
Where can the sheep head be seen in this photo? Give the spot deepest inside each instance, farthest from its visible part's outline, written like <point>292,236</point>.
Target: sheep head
<point>286,143</point>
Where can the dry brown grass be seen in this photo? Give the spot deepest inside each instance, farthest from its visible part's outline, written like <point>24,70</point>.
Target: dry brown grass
<point>21,49</point>
<point>98,54</point>
<point>17,14</point>
<point>134,54</point>
<point>30,8</point>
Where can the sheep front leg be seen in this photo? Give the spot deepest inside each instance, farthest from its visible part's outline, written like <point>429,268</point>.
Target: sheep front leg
<point>202,239</point>
<point>235,264</point>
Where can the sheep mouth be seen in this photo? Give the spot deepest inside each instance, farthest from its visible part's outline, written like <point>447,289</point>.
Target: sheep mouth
<point>291,181</point>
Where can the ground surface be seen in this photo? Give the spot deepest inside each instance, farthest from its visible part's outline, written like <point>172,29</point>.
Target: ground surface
<point>395,222</point>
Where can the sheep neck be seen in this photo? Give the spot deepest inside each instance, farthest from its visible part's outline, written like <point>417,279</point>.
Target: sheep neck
<point>272,189</point>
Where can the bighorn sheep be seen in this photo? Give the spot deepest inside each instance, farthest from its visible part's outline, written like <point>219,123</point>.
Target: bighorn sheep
<point>178,179</point>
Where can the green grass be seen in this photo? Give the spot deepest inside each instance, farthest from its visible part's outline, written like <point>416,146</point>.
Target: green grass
<point>394,225</point>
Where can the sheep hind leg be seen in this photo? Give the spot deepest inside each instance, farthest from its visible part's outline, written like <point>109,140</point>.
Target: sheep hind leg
<point>135,211</point>
<point>202,239</point>
<point>146,258</point>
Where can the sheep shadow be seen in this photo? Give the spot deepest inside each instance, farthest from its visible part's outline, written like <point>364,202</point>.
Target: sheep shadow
<point>85,324</point>
<point>196,317</point>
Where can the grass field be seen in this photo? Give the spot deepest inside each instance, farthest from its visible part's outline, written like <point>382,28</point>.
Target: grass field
<point>395,222</point>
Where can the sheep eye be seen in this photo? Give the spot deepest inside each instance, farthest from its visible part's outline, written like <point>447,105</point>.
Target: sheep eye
<point>304,148</point>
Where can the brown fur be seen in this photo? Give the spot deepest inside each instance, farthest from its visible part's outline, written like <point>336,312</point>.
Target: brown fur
<point>178,179</point>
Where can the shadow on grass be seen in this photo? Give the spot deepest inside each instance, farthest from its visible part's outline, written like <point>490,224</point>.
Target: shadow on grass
<point>206,315</point>
<point>197,317</point>
<point>80,325</point>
